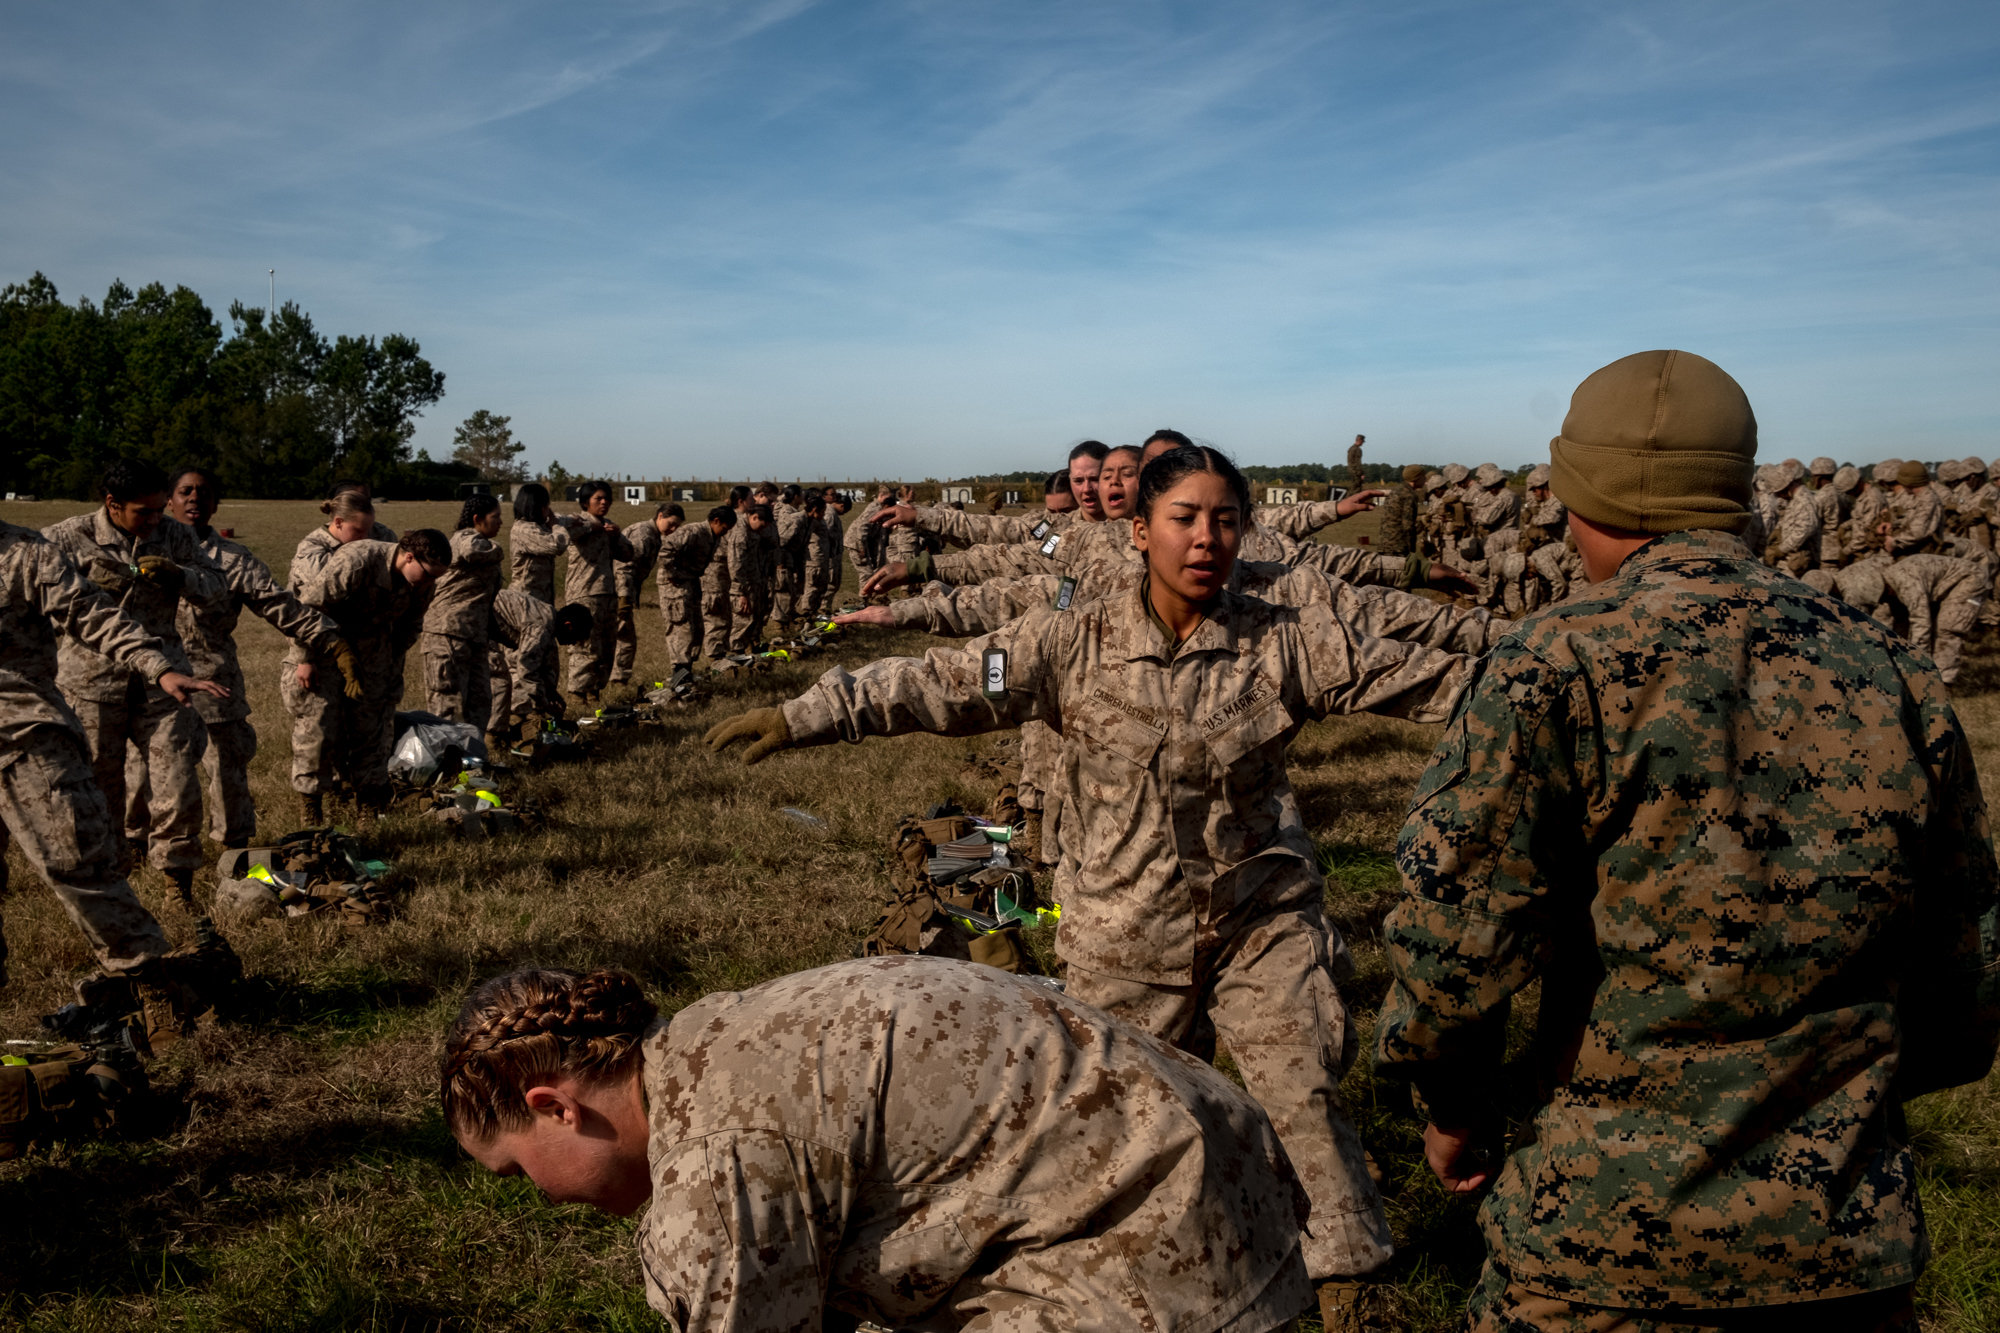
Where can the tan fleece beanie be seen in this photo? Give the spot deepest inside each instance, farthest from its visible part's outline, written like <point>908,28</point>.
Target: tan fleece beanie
<point>1657,442</point>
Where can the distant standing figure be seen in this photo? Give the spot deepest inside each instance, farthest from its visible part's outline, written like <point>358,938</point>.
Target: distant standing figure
<point>595,546</point>
<point>533,543</point>
<point>460,610</point>
<point>1354,462</point>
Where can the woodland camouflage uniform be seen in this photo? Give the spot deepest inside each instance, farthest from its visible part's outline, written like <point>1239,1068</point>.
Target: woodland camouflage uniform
<point>628,580</point>
<point>456,673</point>
<point>521,659</point>
<point>1791,873</point>
<point>594,548</point>
<point>531,556</point>
<point>210,635</point>
<point>50,804</point>
<point>923,1143</point>
<point>117,705</point>
<point>1189,884</point>
<point>1733,829</point>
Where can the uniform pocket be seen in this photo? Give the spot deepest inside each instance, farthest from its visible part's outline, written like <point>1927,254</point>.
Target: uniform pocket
<point>1261,724</point>
<point>1448,765</point>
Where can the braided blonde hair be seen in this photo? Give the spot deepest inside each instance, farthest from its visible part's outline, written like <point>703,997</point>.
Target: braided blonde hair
<point>529,1029</point>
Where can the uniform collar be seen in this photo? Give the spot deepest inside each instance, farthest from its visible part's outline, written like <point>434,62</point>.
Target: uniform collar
<point>106,533</point>
<point>1137,634</point>
<point>1708,542</point>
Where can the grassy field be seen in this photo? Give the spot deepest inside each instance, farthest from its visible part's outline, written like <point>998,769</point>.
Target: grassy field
<point>308,1183</point>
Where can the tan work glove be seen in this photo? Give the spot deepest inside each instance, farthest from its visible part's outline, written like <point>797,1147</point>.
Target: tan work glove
<point>343,657</point>
<point>113,578</point>
<point>162,572</point>
<point>766,727</point>
<point>626,606</point>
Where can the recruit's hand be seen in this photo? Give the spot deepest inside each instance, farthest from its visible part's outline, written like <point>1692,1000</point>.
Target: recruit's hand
<point>1450,1154</point>
<point>890,576</point>
<point>880,616</point>
<point>764,727</point>
<point>1358,503</point>
<point>897,516</point>
<point>114,578</point>
<point>1447,579</point>
<point>304,674</point>
<point>162,572</point>
<point>743,605</point>
<point>343,657</point>
<point>178,687</point>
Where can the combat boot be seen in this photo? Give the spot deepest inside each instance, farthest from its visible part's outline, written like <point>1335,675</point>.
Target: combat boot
<point>1353,1305</point>
<point>370,804</point>
<point>182,878</point>
<point>312,809</point>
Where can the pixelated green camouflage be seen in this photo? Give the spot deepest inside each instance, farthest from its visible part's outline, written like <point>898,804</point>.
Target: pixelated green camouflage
<point>1734,828</point>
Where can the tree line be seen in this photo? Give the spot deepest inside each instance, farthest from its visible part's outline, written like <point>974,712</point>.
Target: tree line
<point>276,408</point>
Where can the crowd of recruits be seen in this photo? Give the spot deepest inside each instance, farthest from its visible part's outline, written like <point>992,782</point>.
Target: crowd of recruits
<point>1176,673</point>
<point>1912,549</point>
<point>1729,824</point>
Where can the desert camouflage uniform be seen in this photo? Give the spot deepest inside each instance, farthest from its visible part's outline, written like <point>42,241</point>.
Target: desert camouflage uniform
<point>1916,519</point>
<point>50,804</point>
<point>1793,545</point>
<point>750,555</point>
<point>628,580</point>
<point>1941,595</point>
<point>380,615</point>
<point>531,555</point>
<point>1736,832</point>
<point>716,609</point>
<point>210,635</point>
<point>115,705</point>
<point>1870,510</point>
<point>788,574</point>
<point>1295,522</point>
<point>1834,505</point>
<point>865,541</point>
<point>456,673</point>
<point>521,659</point>
<point>587,580</point>
<point>310,708</point>
<point>1191,884</point>
<point>963,529</point>
<point>1398,513</point>
<point>685,556</point>
<point>823,565</point>
<point>929,1144</point>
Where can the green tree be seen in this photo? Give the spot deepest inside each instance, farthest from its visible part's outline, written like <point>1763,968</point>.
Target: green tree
<point>486,443</point>
<point>558,479</point>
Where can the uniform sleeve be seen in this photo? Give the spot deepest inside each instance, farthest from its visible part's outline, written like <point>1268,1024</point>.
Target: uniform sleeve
<point>1950,996</point>
<point>1798,527</point>
<point>1351,564</point>
<point>959,612</point>
<point>532,539</point>
<point>944,691</point>
<point>973,529</point>
<point>259,592</point>
<point>203,583</point>
<point>1340,670</point>
<point>80,612</point>
<point>1298,521</point>
<point>1494,810</point>
<point>976,564</point>
<point>1386,613</point>
<point>742,1233</point>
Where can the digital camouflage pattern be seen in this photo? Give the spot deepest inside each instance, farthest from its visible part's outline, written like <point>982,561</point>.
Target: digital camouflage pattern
<point>1942,596</point>
<point>823,558</point>
<point>461,604</point>
<point>521,658</point>
<point>716,608</point>
<point>1295,522</point>
<point>209,629</point>
<point>926,1143</point>
<point>1397,530</point>
<point>1915,519</point>
<point>595,548</point>
<point>531,556</point>
<point>380,616</point>
<point>1794,543</point>
<point>685,554</point>
<point>50,804</point>
<point>95,544</point>
<point>1174,826</point>
<point>1734,829</point>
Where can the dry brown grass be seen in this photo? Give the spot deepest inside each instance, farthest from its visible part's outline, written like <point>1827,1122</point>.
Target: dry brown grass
<point>308,1183</point>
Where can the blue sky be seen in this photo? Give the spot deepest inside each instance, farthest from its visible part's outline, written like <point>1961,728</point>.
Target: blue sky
<point>936,238</point>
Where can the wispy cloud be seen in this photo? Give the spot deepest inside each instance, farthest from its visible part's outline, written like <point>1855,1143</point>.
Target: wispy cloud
<point>811,237</point>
